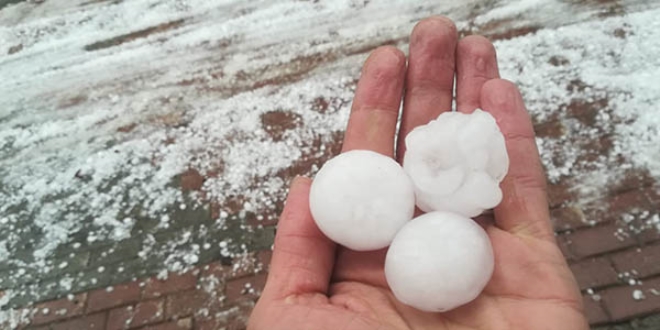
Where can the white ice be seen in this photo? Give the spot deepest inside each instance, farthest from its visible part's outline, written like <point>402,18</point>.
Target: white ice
<point>360,199</point>
<point>439,261</point>
<point>456,163</point>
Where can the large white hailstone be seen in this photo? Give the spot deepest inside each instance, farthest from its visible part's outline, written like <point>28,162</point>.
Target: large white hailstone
<point>456,163</point>
<point>360,199</point>
<point>439,261</point>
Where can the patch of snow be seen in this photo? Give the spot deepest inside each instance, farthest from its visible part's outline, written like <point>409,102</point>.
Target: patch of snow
<point>614,62</point>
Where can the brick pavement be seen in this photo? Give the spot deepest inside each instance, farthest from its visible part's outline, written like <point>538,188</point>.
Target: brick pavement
<point>617,268</point>
<point>619,275</point>
<point>218,295</point>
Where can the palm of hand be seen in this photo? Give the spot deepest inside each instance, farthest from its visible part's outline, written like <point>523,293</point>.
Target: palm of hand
<point>531,288</point>
<point>315,285</point>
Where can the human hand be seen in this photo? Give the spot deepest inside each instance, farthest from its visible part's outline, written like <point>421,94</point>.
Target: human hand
<point>314,284</point>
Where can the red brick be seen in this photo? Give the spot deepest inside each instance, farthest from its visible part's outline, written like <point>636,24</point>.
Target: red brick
<point>182,324</point>
<point>119,295</point>
<point>197,302</point>
<point>594,272</point>
<point>146,312</point>
<point>567,217</point>
<point>245,265</point>
<point>234,324</point>
<point>594,311</point>
<point>242,266</point>
<point>621,305</point>
<point>626,202</point>
<point>238,323</point>
<point>264,259</point>
<point>613,208</point>
<point>245,288</point>
<point>643,261</point>
<point>212,324</point>
<point>60,309</point>
<point>564,246</point>
<point>191,180</point>
<point>649,235</point>
<point>559,194</point>
<point>89,322</point>
<point>173,283</point>
<point>597,240</point>
<point>234,318</point>
<point>633,179</point>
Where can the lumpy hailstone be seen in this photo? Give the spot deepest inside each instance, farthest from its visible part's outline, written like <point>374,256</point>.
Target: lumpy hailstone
<point>439,261</point>
<point>360,199</point>
<point>456,163</point>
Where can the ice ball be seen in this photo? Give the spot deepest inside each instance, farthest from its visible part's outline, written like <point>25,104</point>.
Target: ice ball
<point>439,261</point>
<point>456,163</point>
<point>360,199</point>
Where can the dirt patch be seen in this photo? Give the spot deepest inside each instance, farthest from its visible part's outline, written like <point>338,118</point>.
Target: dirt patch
<point>118,40</point>
<point>191,180</point>
<point>499,30</point>
<point>15,49</point>
<point>576,86</point>
<point>366,48</point>
<point>269,75</point>
<point>72,101</point>
<point>293,70</point>
<point>586,111</point>
<point>277,123</point>
<point>512,33</point>
<point>559,61</point>
<point>172,119</point>
<point>127,128</point>
<point>91,2</point>
<point>620,33</point>
<point>320,105</point>
<point>552,128</point>
<point>633,179</point>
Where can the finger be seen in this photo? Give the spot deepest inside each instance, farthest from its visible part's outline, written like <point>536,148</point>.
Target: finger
<point>302,256</point>
<point>524,207</point>
<point>476,63</point>
<point>430,77</point>
<point>375,109</point>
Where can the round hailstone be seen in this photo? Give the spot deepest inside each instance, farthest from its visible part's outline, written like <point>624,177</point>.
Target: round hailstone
<point>439,261</point>
<point>456,163</point>
<point>360,199</point>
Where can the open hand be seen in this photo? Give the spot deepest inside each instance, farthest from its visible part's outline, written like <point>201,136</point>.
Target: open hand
<point>314,284</point>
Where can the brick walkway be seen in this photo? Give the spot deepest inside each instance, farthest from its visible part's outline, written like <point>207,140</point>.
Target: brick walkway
<point>619,275</point>
<point>219,295</point>
<point>618,272</point>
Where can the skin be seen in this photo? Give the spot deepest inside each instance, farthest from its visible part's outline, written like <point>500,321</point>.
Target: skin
<point>315,284</point>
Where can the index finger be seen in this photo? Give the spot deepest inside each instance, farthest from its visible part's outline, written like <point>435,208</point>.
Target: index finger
<point>375,109</point>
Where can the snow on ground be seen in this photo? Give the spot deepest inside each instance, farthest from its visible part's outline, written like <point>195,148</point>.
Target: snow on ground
<point>108,109</point>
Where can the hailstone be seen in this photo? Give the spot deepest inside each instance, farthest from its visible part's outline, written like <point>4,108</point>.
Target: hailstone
<point>360,199</point>
<point>439,261</point>
<point>456,163</point>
